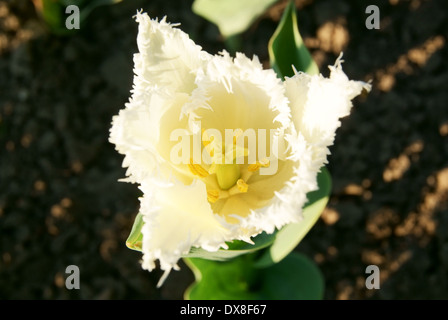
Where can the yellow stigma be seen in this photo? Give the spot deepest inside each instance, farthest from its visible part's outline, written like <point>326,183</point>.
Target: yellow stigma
<point>227,175</point>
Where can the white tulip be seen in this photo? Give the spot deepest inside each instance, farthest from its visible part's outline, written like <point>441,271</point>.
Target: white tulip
<point>181,97</point>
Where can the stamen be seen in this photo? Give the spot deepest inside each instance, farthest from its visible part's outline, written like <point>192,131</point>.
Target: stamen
<point>255,166</point>
<point>197,169</point>
<point>212,196</point>
<point>242,185</point>
<point>205,139</point>
<point>207,142</point>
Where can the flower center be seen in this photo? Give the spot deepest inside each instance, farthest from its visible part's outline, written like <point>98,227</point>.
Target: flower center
<point>229,178</point>
<point>227,175</point>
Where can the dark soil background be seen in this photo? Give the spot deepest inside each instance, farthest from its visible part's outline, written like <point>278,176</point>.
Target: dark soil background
<point>61,204</point>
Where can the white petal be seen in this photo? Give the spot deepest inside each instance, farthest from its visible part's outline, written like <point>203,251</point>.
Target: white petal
<point>167,56</point>
<point>178,217</point>
<point>317,104</point>
<point>164,77</point>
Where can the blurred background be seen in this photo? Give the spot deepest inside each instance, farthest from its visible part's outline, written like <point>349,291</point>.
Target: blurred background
<point>61,203</point>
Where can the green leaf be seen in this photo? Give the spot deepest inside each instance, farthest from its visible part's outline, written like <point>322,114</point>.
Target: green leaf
<point>135,238</point>
<point>51,13</point>
<point>231,16</point>
<point>221,280</point>
<point>294,278</point>
<point>290,235</point>
<point>236,248</point>
<point>286,47</point>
